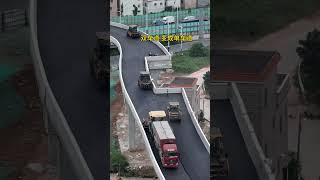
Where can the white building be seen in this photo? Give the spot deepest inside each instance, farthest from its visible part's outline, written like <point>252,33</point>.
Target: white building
<point>173,3</point>
<point>128,7</point>
<point>114,8</point>
<point>188,4</point>
<point>154,6</point>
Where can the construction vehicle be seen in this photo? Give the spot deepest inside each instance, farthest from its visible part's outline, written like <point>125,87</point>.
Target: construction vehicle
<point>219,166</point>
<point>165,142</point>
<point>99,65</point>
<point>154,116</point>
<point>163,137</point>
<point>133,31</point>
<point>144,81</point>
<point>174,111</point>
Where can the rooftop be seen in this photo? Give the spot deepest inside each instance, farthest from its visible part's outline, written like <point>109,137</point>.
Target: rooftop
<point>242,64</point>
<point>183,82</point>
<point>240,60</point>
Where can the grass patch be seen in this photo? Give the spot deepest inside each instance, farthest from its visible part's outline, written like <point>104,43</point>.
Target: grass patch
<point>114,52</point>
<point>184,63</point>
<point>253,19</point>
<point>118,161</point>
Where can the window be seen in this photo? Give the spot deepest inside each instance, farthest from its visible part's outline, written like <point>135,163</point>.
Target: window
<point>265,97</point>
<point>145,4</point>
<point>110,8</point>
<point>155,4</point>
<point>280,125</point>
<point>138,5</point>
<point>161,3</point>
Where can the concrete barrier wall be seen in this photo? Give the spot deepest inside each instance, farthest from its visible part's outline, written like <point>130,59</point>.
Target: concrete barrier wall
<point>77,165</point>
<point>135,114</point>
<point>255,151</point>
<point>195,121</point>
<point>219,91</point>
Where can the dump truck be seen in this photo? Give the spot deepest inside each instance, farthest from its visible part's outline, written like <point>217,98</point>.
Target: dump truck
<point>99,65</point>
<point>144,81</point>
<point>165,142</point>
<point>219,166</point>
<point>154,116</point>
<point>133,31</point>
<point>174,111</point>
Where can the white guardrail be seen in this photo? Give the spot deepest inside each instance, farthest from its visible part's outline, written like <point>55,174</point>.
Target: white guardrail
<point>171,90</point>
<point>135,114</point>
<point>253,146</point>
<point>56,117</point>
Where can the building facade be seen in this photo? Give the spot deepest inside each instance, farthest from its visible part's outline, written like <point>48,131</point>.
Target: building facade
<point>154,6</point>
<point>114,10</point>
<point>264,93</point>
<point>188,4</point>
<point>128,7</point>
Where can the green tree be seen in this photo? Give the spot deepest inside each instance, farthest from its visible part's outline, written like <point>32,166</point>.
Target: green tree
<point>206,80</point>
<point>198,50</point>
<point>309,52</point>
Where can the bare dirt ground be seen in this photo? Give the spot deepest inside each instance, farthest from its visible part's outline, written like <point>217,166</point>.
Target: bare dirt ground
<point>26,141</point>
<point>139,162</point>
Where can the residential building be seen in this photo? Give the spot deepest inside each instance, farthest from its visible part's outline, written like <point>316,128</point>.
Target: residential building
<point>264,93</point>
<point>191,88</point>
<point>188,4</point>
<point>154,6</point>
<point>114,7</point>
<point>173,3</point>
<point>129,6</point>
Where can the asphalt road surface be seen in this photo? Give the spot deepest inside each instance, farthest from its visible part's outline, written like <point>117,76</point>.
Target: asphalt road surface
<point>193,155</point>
<point>240,163</point>
<point>66,32</point>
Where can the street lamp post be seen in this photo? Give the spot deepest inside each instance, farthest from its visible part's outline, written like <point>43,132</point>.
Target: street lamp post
<point>168,36</point>
<point>146,18</point>
<point>180,36</point>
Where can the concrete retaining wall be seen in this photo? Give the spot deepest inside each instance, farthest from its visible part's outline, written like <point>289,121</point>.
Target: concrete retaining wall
<point>133,111</point>
<point>195,121</point>
<point>77,166</point>
<point>255,151</point>
<point>219,91</point>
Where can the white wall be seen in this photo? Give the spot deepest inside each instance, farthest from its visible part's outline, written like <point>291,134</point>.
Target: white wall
<point>155,6</point>
<point>128,7</point>
<point>174,3</point>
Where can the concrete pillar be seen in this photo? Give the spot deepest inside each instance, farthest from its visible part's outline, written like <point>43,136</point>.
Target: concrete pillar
<point>132,131</point>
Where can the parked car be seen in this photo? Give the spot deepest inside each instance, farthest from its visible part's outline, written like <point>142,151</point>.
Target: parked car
<point>158,22</point>
<point>168,20</point>
<point>190,18</point>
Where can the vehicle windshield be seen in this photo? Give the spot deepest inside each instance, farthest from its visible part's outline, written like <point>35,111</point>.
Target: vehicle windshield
<point>171,153</point>
<point>174,108</point>
<point>133,28</point>
<point>144,77</point>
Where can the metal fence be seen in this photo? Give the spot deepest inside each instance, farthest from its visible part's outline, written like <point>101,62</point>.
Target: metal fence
<point>13,19</point>
<point>187,28</point>
<point>141,19</point>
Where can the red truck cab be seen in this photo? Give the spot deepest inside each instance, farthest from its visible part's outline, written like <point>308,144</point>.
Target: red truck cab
<point>165,142</point>
<point>170,156</point>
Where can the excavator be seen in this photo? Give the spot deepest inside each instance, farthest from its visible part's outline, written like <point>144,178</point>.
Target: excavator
<point>219,166</point>
<point>99,64</point>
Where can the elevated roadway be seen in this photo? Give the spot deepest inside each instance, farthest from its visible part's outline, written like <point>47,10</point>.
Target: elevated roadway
<point>240,163</point>
<point>193,155</point>
<point>66,34</point>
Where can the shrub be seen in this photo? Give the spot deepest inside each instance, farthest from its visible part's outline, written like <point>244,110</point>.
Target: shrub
<point>198,50</point>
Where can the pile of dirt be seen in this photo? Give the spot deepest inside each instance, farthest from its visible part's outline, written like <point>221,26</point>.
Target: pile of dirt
<point>25,141</point>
